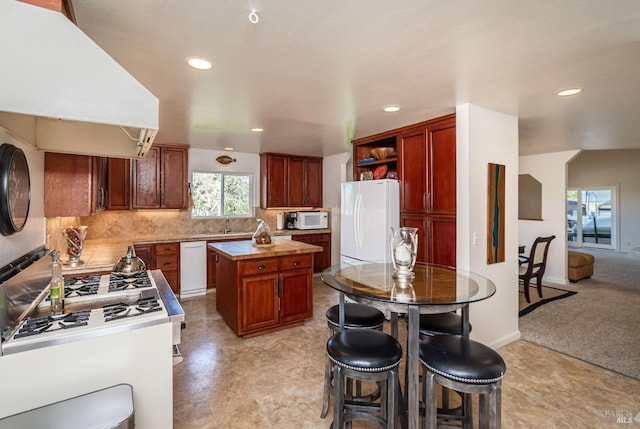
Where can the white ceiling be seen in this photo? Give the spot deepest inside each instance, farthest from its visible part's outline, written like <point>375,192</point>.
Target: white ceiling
<point>315,74</point>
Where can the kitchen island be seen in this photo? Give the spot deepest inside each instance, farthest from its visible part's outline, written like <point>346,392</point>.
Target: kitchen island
<point>264,289</point>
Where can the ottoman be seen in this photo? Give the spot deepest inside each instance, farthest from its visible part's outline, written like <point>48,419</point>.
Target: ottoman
<point>580,266</point>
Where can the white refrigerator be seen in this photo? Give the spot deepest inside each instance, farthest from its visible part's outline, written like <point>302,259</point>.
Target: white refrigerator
<point>369,209</point>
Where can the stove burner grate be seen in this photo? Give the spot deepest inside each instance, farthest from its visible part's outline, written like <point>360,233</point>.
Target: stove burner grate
<point>84,290</point>
<point>118,282</point>
<point>40,325</point>
<point>122,311</point>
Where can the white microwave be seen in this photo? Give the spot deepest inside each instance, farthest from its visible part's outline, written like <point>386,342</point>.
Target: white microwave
<point>313,219</point>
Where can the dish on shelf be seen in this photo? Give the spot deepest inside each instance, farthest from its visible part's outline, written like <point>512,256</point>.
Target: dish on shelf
<point>366,175</point>
<point>379,172</point>
<point>382,152</point>
<point>367,160</point>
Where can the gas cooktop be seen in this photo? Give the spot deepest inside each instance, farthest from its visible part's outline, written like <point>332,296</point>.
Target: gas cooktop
<point>86,315</point>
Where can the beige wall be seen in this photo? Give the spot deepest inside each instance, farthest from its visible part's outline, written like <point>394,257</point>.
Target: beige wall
<point>485,136</point>
<point>551,170</point>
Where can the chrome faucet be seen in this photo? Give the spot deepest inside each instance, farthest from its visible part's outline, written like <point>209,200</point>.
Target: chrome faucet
<point>227,230</point>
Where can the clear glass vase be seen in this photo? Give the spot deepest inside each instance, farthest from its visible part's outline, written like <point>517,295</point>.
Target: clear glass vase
<point>404,250</point>
<point>74,239</point>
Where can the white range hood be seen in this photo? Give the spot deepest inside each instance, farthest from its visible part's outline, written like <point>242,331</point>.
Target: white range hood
<point>60,92</point>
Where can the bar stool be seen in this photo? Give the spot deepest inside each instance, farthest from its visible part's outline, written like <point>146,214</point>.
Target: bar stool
<point>365,355</point>
<point>466,366</point>
<point>446,324</point>
<point>356,316</point>
<point>440,324</point>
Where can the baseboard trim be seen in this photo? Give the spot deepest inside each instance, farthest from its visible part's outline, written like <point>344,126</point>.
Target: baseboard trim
<point>503,341</point>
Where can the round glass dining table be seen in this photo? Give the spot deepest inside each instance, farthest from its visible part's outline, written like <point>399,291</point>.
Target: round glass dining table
<point>435,289</point>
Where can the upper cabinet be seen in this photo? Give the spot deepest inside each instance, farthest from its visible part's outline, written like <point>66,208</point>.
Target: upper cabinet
<point>290,181</point>
<point>428,167</point>
<point>159,180</point>
<point>74,185</point>
<point>423,158</point>
<point>375,155</point>
<point>119,184</point>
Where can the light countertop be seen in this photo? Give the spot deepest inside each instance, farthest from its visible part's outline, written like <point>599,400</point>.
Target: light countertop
<point>100,255</point>
<point>246,249</point>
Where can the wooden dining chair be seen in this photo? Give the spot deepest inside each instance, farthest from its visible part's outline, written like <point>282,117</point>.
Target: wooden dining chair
<point>534,265</point>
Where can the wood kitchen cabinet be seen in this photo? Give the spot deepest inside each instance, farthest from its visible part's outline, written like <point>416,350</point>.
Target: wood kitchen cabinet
<point>263,292</point>
<point>74,185</point>
<point>274,292</point>
<point>145,252</point>
<point>362,154</point>
<point>164,257</point>
<point>426,169</point>
<point>211,268</point>
<point>290,181</point>
<point>159,180</point>
<point>211,262</point>
<point>119,184</point>
<point>321,260</point>
<point>436,237</point>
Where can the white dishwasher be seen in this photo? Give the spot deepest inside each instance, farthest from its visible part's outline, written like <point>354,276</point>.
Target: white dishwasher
<point>193,268</point>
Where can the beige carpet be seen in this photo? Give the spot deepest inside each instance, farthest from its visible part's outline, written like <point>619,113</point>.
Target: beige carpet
<point>600,323</point>
<point>549,294</point>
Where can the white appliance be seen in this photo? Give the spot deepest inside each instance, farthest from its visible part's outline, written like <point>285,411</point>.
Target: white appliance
<point>369,209</point>
<point>193,268</point>
<point>311,219</point>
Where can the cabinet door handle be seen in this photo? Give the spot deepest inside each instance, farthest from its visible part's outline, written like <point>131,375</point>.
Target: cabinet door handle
<point>261,267</point>
<point>166,263</point>
<point>296,263</point>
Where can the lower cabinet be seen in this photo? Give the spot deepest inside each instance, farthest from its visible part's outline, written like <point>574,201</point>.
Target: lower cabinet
<point>321,260</point>
<point>260,295</point>
<point>211,268</point>
<point>164,257</point>
<point>211,262</point>
<point>436,237</point>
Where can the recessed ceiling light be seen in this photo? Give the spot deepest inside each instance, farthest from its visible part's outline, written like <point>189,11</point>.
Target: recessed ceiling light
<point>229,148</point>
<point>391,109</point>
<point>570,91</point>
<point>257,130</point>
<point>199,63</point>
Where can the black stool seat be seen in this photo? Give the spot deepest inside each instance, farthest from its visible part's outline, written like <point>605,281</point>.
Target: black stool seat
<point>462,359</point>
<point>365,355</point>
<point>356,316</point>
<point>441,324</point>
<point>364,350</point>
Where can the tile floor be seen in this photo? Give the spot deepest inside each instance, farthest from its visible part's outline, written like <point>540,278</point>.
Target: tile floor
<point>275,380</point>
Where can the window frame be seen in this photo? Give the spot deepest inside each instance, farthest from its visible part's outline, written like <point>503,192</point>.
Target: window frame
<point>223,174</point>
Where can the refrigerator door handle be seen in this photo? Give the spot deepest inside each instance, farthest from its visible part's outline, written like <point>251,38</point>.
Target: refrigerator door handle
<point>356,221</point>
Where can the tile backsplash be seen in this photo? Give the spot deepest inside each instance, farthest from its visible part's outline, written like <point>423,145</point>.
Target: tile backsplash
<point>111,224</point>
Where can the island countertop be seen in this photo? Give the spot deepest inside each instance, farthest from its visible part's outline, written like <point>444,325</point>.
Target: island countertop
<point>239,250</point>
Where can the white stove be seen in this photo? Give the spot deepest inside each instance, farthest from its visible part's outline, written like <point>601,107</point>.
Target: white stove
<point>105,337</point>
<point>94,306</point>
